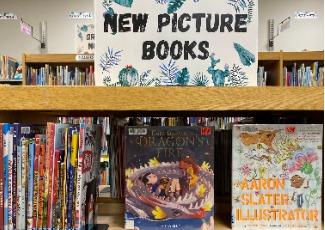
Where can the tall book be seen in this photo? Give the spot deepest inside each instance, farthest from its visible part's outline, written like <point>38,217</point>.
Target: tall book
<point>73,141</point>
<point>88,175</point>
<point>1,179</point>
<point>8,133</point>
<point>169,177</point>
<point>277,176</point>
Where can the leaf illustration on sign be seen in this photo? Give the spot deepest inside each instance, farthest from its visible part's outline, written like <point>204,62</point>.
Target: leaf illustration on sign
<point>174,5</point>
<point>126,3</point>
<point>246,57</point>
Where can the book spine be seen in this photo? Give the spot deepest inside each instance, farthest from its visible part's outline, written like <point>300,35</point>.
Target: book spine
<point>1,179</point>
<point>36,180</point>
<point>48,174</point>
<point>31,153</point>
<point>74,194</point>
<point>71,191</point>
<point>14,180</point>
<point>64,182</point>
<point>41,185</point>
<point>79,199</point>
<point>24,150</point>
<point>19,191</point>
<point>10,184</point>
<point>55,186</point>
<point>61,190</point>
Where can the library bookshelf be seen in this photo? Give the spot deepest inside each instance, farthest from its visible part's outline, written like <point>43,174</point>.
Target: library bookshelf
<point>38,104</point>
<point>272,61</point>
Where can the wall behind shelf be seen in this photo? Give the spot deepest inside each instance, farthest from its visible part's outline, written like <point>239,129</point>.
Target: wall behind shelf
<point>304,34</point>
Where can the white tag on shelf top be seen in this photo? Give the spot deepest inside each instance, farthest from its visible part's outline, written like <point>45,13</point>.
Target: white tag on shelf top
<point>305,15</point>
<point>84,57</point>
<point>8,16</point>
<point>81,15</point>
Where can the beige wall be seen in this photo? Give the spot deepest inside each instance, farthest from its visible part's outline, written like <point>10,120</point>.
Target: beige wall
<point>304,34</point>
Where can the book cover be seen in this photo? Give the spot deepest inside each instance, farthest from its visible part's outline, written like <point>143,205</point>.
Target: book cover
<point>169,177</point>
<point>277,176</point>
<point>1,178</point>
<point>87,175</point>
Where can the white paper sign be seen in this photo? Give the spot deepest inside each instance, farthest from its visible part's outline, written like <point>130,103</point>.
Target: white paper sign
<point>176,42</point>
<point>84,38</point>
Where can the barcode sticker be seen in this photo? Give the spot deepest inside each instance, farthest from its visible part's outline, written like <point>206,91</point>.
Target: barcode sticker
<point>137,131</point>
<point>25,130</point>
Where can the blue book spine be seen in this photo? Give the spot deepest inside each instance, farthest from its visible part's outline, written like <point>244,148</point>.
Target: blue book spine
<point>7,133</point>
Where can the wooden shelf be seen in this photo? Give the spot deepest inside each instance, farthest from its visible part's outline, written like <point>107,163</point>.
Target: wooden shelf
<point>268,56</point>
<point>53,58</point>
<point>91,98</point>
<point>303,56</point>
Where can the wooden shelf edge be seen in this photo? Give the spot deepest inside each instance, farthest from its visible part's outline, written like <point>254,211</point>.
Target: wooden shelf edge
<point>92,98</point>
<point>53,58</point>
<point>304,56</point>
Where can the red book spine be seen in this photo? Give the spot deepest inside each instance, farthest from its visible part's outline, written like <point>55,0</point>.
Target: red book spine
<point>54,198</point>
<point>49,172</point>
<point>1,179</point>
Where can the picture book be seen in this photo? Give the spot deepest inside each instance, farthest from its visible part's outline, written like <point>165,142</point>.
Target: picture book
<point>277,176</point>
<point>169,177</point>
<point>88,175</point>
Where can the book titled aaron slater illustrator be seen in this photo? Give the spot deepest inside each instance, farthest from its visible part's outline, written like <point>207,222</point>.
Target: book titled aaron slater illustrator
<point>169,177</point>
<point>277,176</point>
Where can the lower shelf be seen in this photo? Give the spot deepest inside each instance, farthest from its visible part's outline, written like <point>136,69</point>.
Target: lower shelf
<point>116,222</point>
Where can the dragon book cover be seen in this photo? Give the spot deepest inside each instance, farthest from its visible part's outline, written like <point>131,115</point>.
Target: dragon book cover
<point>277,176</point>
<point>169,177</point>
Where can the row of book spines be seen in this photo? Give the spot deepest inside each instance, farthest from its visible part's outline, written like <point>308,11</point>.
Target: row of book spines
<point>216,122</point>
<point>60,75</point>
<point>27,158</point>
<point>312,75</point>
<point>8,66</point>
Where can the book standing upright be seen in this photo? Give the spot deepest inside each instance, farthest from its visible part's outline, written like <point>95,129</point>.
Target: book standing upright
<point>277,176</point>
<point>169,177</point>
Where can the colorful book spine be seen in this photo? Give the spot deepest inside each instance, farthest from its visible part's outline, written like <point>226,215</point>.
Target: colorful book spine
<point>73,161</point>
<point>1,180</point>
<point>9,139</point>
<point>36,179</point>
<point>79,177</point>
<point>62,177</point>
<point>24,150</point>
<point>41,184</point>
<point>50,169</point>
<point>31,154</point>
<point>55,186</point>
<point>19,197</point>
<point>48,172</point>
<point>64,182</point>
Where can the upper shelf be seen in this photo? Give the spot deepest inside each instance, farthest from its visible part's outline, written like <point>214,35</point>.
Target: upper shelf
<point>163,99</point>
